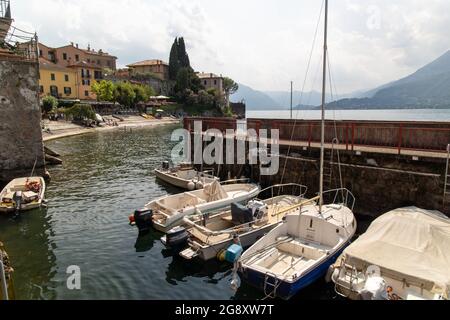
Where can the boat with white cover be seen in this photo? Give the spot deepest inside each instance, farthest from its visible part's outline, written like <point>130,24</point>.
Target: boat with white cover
<point>184,176</point>
<point>22,194</point>
<point>169,211</point>
<point>209,235</point>
<point>300,250</point>
<point>404,254</point>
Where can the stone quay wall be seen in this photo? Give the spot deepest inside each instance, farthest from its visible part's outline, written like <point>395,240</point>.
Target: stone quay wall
<point>21,144</point>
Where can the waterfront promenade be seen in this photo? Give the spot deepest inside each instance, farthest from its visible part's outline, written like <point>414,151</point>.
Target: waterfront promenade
<point>61,129</point>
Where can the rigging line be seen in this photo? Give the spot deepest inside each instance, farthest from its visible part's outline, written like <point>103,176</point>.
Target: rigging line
<point>334,119</point>
<point>303,88</point>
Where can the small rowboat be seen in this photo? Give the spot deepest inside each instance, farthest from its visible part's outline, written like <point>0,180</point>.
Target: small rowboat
<point>168,212</point>
<point>209,235</point>
<point>184,176</point>
<point>22,194</point>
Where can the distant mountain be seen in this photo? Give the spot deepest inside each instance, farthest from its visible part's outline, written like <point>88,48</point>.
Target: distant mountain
<point>312,98</point>
<point>254,99</point>
<point>428,87</point>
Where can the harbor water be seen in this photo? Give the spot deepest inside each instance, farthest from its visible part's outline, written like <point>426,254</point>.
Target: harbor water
<point>105,177</point>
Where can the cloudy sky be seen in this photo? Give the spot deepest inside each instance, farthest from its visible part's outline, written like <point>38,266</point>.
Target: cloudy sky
<point>261,43</point>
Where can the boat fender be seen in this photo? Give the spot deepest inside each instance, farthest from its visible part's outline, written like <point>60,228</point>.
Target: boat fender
<point>329,274</point>
<point>191,185</point>
<point>375,288</point>
<point>235,282</point>
<point>131,219</point>
<point>143,219</point>
<point>221,255</point>
<point>199,185</point>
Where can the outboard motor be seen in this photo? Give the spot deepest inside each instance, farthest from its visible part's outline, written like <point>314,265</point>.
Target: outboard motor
<point>17,198</point>
<point>176,238</point>
<point>143,219</point>
<point>165,165</point>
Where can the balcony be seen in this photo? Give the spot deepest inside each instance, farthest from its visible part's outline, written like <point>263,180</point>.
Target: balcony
<point>15,44</point>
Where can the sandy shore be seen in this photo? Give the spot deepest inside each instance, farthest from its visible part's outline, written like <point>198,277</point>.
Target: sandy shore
<point>61,129</point>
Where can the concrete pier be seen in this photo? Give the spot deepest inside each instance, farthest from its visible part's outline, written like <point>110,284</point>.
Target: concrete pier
<point>385,164</point>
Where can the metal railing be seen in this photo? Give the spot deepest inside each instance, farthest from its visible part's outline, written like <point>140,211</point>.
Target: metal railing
<point>18,44</point>
<point>389,135</point>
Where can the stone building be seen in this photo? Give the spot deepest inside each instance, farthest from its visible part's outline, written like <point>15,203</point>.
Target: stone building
<point>158,68</point>
<point>21,145</point>
<point>211,81</point>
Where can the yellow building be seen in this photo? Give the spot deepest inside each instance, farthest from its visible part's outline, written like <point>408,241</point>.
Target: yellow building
<point>57,81</point>
<point>86,74</point>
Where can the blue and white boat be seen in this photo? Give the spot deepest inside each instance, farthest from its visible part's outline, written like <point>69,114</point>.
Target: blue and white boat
<point>300,250</point>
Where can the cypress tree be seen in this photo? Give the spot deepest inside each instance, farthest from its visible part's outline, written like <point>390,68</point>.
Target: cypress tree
<point>183,57</point>
<point>174,62</point>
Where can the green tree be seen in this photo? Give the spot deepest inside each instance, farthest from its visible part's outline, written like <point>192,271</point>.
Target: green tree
<point>183,57</point>
<point>229,87</point>
<point>124,94</point>
<point>49,103</point>
<point>174,64</point>
<point>104,90</point>
<point>143,93</point>
<point>80,112</point>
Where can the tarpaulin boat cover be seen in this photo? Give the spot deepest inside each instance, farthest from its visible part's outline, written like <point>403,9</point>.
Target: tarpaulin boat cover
<point>214,191</point>
<point>409,244</point>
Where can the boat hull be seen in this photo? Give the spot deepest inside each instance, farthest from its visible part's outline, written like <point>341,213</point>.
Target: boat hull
<point>247,239</point>
<point>286,290</point>
<point>177,219</point>
<point>26,206</point>
<point>178,181</point>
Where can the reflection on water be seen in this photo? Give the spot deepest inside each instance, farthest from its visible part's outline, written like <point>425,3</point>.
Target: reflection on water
<point>28,240</point>
<point>105,177</point>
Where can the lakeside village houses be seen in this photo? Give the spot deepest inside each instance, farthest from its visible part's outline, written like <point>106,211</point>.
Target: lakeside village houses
<point>68,72</point>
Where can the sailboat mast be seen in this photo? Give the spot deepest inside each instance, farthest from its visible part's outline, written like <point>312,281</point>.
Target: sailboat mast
<point>324,81</point>
<point>291,97</point>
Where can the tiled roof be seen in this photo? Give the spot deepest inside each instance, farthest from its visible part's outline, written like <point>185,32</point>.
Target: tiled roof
<point>84,64</point>
<point>47,64</point>
<point>203,75</point>
<point>152,62</point>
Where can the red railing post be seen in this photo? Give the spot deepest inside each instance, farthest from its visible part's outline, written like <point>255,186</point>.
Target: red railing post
<point>353,136</point>
<point>310,135</point>
<point>400,137</point>
<point>346,136</point>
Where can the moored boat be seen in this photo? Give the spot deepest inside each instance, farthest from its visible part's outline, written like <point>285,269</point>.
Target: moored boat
<point>22,194</point>
<point>300,250</point>
<point>184,176</point>
<point>168,211</point>
<point>403,255</point>
<point>208,236</point>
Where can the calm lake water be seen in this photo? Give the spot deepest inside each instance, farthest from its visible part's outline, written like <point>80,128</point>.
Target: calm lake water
<point>105,177</point>
<point>384,115</point>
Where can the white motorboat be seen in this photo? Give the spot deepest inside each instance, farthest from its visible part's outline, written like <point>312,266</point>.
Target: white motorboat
<point>404,254</point>
<point>168,211</point>
<point>184,176</point>
<point>209,235</point>
<point>22,194</point>
<point>300,250</point>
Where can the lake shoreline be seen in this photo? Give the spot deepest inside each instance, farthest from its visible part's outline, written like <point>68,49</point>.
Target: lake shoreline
<point>63,129</point>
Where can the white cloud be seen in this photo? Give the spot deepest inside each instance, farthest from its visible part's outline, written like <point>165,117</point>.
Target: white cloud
<point>264,44</point>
